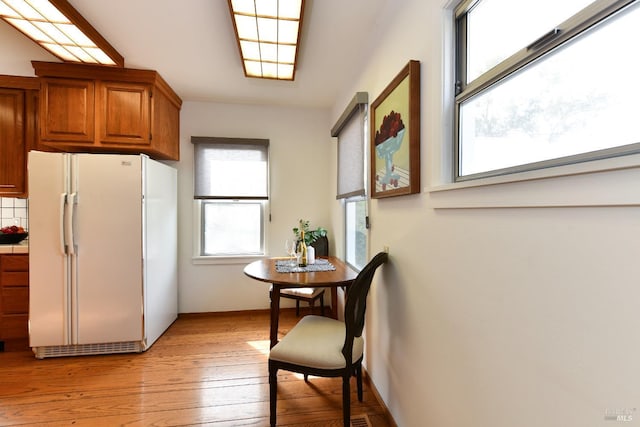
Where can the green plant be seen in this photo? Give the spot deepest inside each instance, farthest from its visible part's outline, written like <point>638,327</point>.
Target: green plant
<point>310,236</point>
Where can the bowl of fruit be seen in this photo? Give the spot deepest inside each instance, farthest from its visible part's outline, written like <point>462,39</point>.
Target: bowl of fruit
<point>12,235</point>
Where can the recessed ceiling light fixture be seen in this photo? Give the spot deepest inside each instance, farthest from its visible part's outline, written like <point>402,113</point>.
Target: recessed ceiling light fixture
<point>59,28</point>
<point>268,35</point>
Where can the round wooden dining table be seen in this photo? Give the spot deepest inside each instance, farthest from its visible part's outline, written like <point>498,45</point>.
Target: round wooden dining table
<point>264,270</point>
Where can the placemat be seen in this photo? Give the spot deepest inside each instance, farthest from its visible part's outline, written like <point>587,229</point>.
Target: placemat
<point>284,266</point>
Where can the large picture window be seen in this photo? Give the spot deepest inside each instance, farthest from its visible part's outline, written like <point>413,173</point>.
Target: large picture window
<point>544,83</point>
<point>231,193</point>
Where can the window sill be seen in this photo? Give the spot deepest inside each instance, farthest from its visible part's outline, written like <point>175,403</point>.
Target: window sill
<point>225,260</point>
<point>607,182</point>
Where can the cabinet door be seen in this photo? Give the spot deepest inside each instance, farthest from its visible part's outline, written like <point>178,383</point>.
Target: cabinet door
<point>15,262</point>
<point>12,142</point>
<point>124,118</point>
<point>14,301</point>
<point>67,108</point>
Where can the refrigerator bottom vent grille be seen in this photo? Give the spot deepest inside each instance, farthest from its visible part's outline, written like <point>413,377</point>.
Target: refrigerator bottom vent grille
<point>88,349</point>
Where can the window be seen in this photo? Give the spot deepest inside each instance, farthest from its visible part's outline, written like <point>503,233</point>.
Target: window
<point>351,130</point>
<point>355,209</point>
<point>231,192</point>
<point>544,83</point>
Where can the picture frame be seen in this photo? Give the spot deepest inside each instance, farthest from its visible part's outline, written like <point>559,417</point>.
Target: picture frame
<point>395,136</point>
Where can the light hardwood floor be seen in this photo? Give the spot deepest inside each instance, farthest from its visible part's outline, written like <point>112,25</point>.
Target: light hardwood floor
<point>205,370</point>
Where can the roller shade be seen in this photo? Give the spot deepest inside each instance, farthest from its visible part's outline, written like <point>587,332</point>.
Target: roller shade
<point>231,168</point>
<point>350,130</point>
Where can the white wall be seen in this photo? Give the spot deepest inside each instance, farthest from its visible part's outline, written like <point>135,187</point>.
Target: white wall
<point>17,52</point>
<point>497,316</point>
<point>300,146</point>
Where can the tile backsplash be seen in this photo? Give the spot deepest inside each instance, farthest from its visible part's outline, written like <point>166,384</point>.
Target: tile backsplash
<point>14,212</point>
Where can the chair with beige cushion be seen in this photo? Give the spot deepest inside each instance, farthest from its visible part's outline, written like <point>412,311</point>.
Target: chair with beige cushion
<point>310,295</point>
<point>326,347</point>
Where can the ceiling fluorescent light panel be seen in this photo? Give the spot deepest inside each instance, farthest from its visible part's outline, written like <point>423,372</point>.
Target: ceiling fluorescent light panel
<point>59,28</point>
<point>268,36</point>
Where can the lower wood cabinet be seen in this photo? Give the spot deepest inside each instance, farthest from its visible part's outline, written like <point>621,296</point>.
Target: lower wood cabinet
<point>14,302</point>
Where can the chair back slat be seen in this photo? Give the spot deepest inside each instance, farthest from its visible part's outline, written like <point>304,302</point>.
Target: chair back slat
<point>356,303</point>
<point>321,245</point>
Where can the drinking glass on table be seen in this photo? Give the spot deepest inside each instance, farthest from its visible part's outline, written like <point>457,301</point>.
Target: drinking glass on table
<point>290,247</point>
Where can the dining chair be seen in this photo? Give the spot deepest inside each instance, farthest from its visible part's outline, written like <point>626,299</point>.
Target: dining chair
<point>326,347</point>
<point>309,295</point>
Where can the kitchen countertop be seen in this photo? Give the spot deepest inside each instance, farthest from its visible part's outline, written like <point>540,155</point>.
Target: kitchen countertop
<point>20,248</point>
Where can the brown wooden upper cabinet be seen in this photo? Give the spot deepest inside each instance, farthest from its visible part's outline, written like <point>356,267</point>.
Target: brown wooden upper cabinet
<point>18,116</point>
<point>108,109</point>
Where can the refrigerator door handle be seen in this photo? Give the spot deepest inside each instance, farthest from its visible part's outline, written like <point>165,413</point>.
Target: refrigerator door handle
<point>71,201</point>
<point>63,202</point>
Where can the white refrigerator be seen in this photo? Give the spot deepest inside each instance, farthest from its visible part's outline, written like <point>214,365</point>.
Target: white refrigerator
<point>102,253</point>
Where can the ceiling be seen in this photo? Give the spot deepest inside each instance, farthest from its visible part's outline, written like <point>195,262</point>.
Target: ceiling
<point>191,44</point>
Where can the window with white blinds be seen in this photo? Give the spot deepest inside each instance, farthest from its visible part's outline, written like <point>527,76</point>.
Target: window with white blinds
<point>351,142</point>
<point>231,189</point>
<point>351,130</point>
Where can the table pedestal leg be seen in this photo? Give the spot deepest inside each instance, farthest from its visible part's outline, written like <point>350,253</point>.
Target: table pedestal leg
<point>275,314</point>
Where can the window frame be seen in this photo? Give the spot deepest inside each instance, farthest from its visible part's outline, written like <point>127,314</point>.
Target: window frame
<point>345,202</point>
<point>203,204</point>
<point>199,203</point>
<point>592,15</point>
<point>358,109</point>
